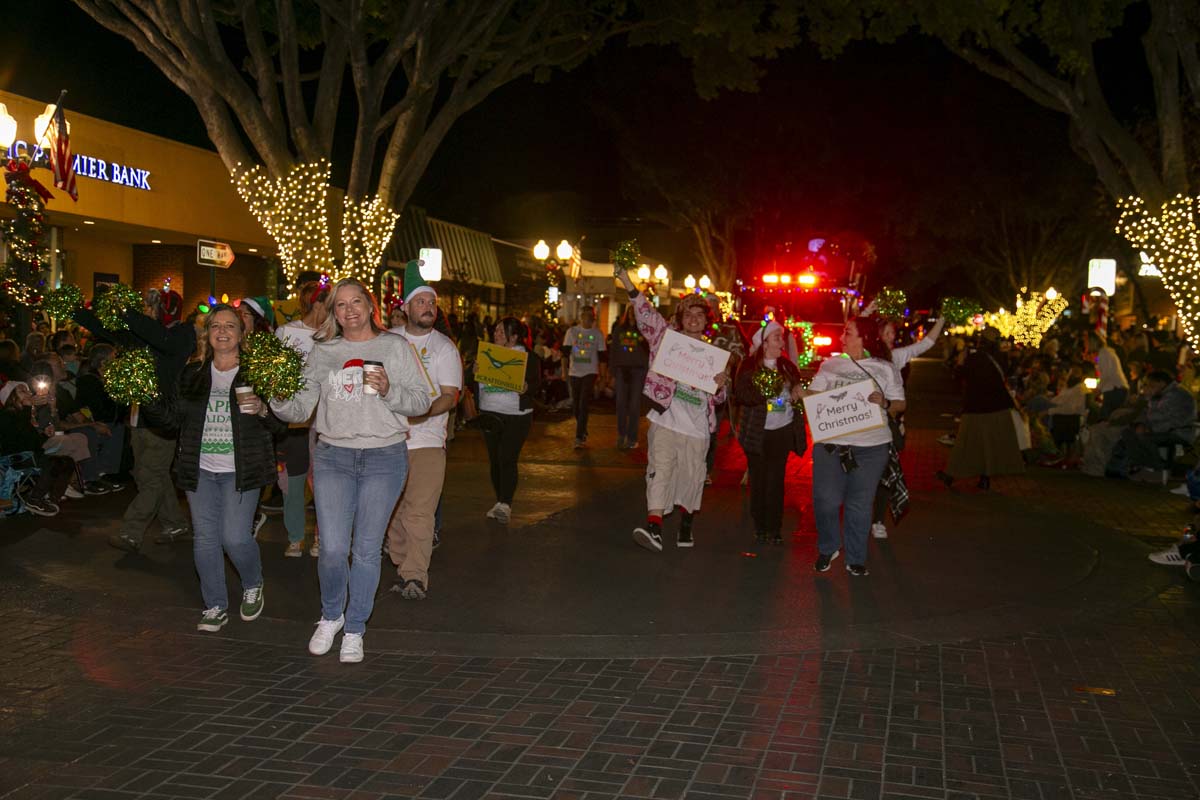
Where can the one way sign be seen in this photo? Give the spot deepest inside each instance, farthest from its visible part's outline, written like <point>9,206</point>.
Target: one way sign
<point>213,254</point>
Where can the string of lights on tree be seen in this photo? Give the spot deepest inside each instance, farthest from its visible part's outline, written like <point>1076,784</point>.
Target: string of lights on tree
<point>556,285</point>
<point>1172,242</point>
<point>23,274</point>
<point>293,210</point>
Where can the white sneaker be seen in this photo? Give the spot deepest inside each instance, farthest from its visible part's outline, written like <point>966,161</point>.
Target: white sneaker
<point>322,638</point>
<point>352,648</point>
<point>73,493</point>
<point>878,530</point>
<point>503,513</point>
<point>258,523</point>
<point>294,550</point>
<point>491,514</point>
<point>1169,557</point>
<point>1181,490</point>
<point>315,550</point>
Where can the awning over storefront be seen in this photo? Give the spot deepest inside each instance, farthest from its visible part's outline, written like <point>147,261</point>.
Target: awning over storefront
<point>467,255</point>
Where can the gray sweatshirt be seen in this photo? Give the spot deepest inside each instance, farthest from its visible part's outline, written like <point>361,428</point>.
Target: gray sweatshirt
<point>346,415</point>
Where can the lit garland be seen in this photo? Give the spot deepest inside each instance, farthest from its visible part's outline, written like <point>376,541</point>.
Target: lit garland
<point>367,227</point>
<point>292,210</point>
<point>1173,244</point>
<point>21,276</point>
<point>273,368</point>
<point>809,353</point>
<point>725,303</point>
<point>768,382</point>
<point>625,257</point>
<point>556,285</point>
<point>130,377</point>
<point>891,303</point>
<point>63,302</point>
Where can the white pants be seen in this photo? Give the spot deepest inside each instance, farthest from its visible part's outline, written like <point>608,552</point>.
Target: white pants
<point>675,470</point>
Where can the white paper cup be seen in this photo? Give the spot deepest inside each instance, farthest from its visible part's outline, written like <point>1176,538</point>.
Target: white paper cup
<point>368,367</point>
<point>245,394</point>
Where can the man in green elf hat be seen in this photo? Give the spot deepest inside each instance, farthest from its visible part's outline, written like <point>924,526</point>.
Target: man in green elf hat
<point>410,533</point>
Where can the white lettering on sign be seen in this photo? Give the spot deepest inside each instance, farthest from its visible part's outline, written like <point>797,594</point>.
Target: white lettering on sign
<point>89,167</point>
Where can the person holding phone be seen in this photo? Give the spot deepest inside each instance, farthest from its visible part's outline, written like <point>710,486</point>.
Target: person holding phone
<point>360,463</point>
<point>224,456</point>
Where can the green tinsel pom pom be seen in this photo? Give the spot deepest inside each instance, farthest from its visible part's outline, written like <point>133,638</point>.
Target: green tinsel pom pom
<point>130,377</point>
<point>273,368</point>
<point>768,382</point>
<point>626,255</point>
<point>63,302</point>
<point>960,310</point>
<point>891,302</point>
<point>113,302</point>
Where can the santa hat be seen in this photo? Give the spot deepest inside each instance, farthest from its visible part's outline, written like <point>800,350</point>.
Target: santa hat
<point>414,283</point>
<point>7,389</point>
<point>262,307</point>
<point>760,335</point>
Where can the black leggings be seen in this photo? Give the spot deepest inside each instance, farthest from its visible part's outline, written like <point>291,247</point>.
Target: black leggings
<point>767,471</point>
<point>504,443</point>
<point>581,395</point>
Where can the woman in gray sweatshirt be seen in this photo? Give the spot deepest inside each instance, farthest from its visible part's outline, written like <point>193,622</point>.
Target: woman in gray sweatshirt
<point>364,384</point>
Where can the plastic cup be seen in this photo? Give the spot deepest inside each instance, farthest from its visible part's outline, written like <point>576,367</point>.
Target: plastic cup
<point>369,367</point>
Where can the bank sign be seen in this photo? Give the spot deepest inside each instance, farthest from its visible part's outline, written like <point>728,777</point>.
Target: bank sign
<point>88,167</point>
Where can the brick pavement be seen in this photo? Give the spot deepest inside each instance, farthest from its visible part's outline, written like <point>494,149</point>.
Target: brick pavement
<point>95,703</point>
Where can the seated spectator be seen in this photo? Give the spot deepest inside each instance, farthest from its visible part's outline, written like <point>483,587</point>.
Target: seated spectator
<point>94,401</point>
<point>58,410</point>
<point>11,368</point>
<point>54,452</point>
<point>35,346</point>
<point>1168,419</point>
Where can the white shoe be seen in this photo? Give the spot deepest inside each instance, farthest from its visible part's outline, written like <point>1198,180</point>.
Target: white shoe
<point>878,530</point>
<point>258,523</point>
<point>294,550</point>
<point>73,493</point>
<point>491,514</point>
<point>503,513</point>
<point>352,649</point>
<point>1181,490</point>
<point>322,638</point>
<point>315,550</point>
<point>1169,557</point>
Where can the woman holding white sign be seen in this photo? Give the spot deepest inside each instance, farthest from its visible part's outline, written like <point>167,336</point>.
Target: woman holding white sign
<point>847,467</point>
<point>506,418</point>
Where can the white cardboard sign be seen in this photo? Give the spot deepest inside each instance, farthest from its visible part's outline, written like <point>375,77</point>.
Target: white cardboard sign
<point>689,361</point>
<point>842,411</point>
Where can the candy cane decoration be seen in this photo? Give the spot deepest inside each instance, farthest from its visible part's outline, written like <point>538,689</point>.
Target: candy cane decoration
<point>1095,301</point>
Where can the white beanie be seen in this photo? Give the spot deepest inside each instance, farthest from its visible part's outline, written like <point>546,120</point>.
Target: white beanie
<point>8,388</point>
<point>762,333</point>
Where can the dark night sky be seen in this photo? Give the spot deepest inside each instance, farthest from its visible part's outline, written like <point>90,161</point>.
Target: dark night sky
<point>885,118</point>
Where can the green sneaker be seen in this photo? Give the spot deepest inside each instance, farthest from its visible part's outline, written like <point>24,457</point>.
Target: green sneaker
<point>252,603</point>
<point>212,620</point>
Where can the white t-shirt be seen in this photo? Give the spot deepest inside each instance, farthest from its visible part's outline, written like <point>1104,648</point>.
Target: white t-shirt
<point>298,335</point>
<point>501,401</point>
<point>779,409</point>
<point>687,414</point>
<point>444,365</point>
<point>586,345</point>
<point>843,371</point>
<point>216,443</point>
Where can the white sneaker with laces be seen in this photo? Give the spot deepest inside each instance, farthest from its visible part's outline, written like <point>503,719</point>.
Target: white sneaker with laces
<point>878,530</point>
<point>352,648</point>
<point>1169,557</point>
<point>322,638</point>
<point>503,513</point>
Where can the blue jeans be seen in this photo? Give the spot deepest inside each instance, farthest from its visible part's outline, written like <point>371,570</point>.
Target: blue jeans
<point>222,523</point>
<point>851,493</point>
<point>355,493</point>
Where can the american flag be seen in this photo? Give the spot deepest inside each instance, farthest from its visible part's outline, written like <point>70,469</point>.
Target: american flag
<point>60,154</point>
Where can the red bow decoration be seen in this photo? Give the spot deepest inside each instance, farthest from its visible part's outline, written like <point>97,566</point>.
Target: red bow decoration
<point>18,172</point>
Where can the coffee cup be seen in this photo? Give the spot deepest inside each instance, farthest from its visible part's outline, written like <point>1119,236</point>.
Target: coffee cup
<point>245,395</point>
<point>369,367</point>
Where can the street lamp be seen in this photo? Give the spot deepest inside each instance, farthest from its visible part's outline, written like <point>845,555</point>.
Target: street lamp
<point>660,273</point>
<point>541,250</point>
<point>689,282</point>
<point>8,128</point>
<point>705,283</point>
<point>564,251</point>
<point>643,273</point>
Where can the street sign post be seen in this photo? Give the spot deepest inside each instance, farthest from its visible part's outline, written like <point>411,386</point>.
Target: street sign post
<point>216,255</point>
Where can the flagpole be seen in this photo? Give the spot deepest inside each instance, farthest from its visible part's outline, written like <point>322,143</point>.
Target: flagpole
<point>53,114</point>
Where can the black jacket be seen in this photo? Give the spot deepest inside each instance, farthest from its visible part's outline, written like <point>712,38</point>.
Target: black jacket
<point>253,437</point>
<point>754,418</point>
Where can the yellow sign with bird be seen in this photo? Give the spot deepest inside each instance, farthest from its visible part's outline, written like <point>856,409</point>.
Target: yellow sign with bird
<point>501,367</point>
